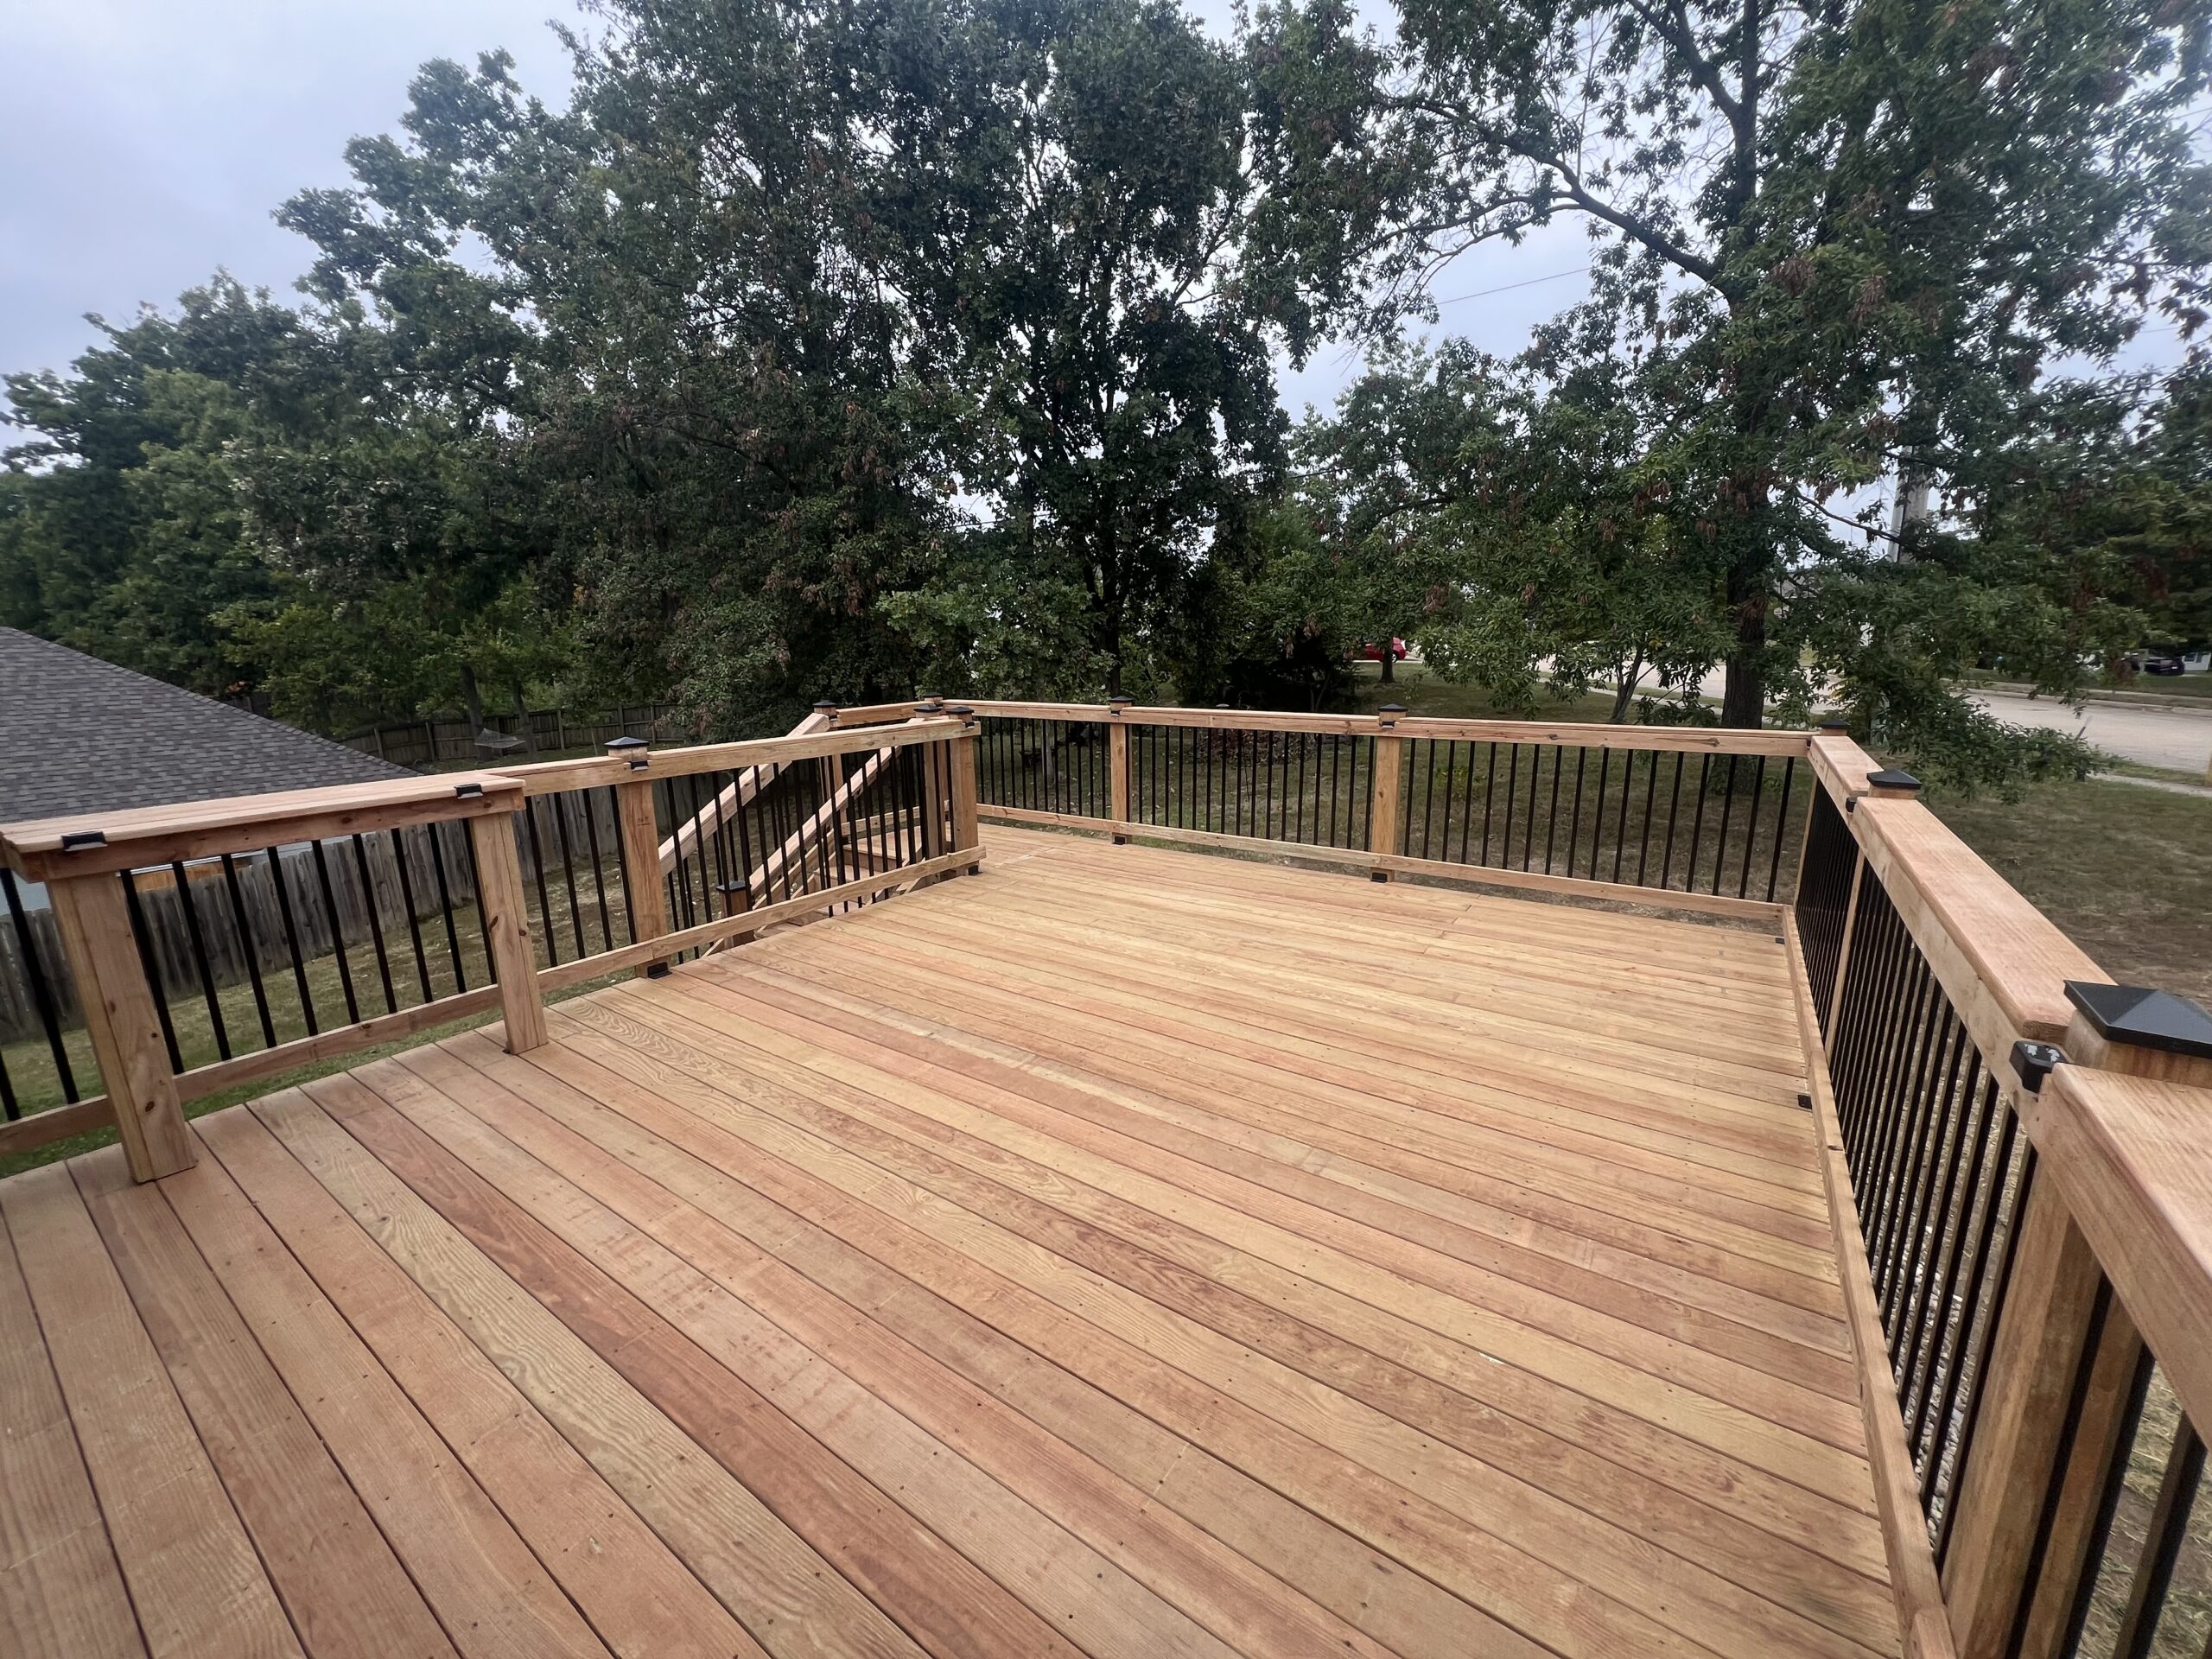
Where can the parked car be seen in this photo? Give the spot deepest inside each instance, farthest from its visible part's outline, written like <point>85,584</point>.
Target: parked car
<point>2160,663</point>
<point>1368,651</point>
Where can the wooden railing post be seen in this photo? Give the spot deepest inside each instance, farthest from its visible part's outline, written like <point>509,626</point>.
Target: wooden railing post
<point>1384,831</point>
<point>1117,766</point>
<point>2050,1304</point>
<point>967,826</point>
<point>121,1019</point>
<point>639,831</point>
<point>506,929</point>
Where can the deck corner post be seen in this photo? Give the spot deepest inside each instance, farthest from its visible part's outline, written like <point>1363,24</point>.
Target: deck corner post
<point>966,825</point>
<point>120,1018</point>
<point>1385,833</point>
<point>2018,1440</point>
<point>1117,765</point>
<point>506,929</point>
<point>638,833</point>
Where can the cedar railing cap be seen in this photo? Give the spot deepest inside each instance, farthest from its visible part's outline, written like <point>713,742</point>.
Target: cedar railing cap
<point>2146,1018</point>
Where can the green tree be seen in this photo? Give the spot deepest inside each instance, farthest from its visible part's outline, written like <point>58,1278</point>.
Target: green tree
<point>1833,246</point>
<point>120,530</point>
<point>1064,195</point>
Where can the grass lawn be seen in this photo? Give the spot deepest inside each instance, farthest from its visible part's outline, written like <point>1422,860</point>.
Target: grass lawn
<point>2126,871</point>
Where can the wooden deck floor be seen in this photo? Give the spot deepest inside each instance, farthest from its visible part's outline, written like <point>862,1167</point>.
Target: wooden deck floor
<point>1129,1252</point>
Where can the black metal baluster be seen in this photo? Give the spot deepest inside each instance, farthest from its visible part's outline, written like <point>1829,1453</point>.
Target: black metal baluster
<point>1974,1338</point>
<point>537,872</point>
<point>43,998</point>
<point>1697,821</point>
<point>1650,795</point>
<point>2167,1528</point>
<point>1597,811</point>
<point>1452,747</point>
<point>483,917</point>
<point>1529,835</point>
<point>1727,811</point>
<point>1752,826</point>
<point>376,924</point>
<point>599,862</point>
<point>1965,1160</point>
<point>292,941</point>
<point>1574,819</point>
<point>144,936</point>
<point>1512,788</point>
<point>1674,812</point>
<point>445,908</point>
<point>414,919</point>
<point>1781,826</point>
<point>1620,825</point>
<point>201,967</point>
<point>568,871</point>
<point>252,949</point>
<point>1551,825</point>
<point>338,930</point>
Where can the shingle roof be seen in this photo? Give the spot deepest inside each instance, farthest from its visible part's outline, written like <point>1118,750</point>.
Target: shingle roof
<point>78,734</point>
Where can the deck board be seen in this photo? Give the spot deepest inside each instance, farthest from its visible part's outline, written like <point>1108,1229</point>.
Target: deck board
<point>1130,1252</point>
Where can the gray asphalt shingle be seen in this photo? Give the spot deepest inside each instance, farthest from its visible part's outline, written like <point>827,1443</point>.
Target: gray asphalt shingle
<point>78,734</point>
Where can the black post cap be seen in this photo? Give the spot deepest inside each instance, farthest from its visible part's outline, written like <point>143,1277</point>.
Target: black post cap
<point>825,703</point>
<point>631,749</point>
<point>2035,1061</point>
<point>1833,723</point>
<point>2148,1019</point>
<point>1891,778</point>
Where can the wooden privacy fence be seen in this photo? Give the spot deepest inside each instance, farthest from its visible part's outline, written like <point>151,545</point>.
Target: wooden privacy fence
<point>447,740</point>
<point>317,923</point>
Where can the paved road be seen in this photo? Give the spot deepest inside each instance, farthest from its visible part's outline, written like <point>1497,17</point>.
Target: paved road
<point>2177,737</point>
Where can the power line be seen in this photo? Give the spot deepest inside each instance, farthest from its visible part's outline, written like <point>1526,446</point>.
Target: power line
<point>1531,281</point>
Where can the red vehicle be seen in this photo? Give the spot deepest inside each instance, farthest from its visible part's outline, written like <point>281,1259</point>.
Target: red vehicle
<point>1368,651</point>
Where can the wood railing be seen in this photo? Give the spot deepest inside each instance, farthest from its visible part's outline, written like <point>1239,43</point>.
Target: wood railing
<point>324,921</point>
<point>2019,1157</point>
<point>1693,817</point>
<point>2018,1153</point>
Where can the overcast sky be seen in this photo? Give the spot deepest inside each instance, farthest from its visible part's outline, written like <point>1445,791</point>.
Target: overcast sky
<point>146,142</point>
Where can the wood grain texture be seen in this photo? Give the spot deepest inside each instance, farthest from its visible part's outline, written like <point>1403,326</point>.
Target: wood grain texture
<point>122,1023</point>
<point>2133,1157</point>
<point>1127,1255</point>
<point>347,1593</point>
<point>61,1592</point>
<point>194,1579</point>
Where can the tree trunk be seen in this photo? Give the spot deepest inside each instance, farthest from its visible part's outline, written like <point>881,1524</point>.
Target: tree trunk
<point>1625,685</point>
<point>1389,662</point>
<point>1743,701</point>
<point>472,700</point>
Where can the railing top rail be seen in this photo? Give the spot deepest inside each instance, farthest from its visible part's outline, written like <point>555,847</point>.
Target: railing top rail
<point>2018,954</point>
<point>100,842</point>
<point>552,777</point>
<point>2003,962</point>
<point>1711,740</point>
